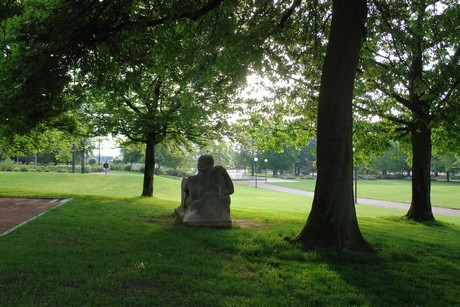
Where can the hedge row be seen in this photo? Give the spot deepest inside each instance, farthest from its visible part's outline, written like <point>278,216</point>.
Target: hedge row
<point>10,166</point>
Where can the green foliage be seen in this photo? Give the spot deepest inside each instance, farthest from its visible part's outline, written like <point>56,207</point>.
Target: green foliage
<point>133,153</point>
<point>117,161</point>
<point>285,160</point>
<point>392,161</point>
<point>445,163</point>
<point>32,79</point>
<point>243,156</point>
<point>169,156</point>
<point>307,158</point>
<point>221,151</point>
<point>44,140</point>
<point>283,109</point>
<point>409,73</point>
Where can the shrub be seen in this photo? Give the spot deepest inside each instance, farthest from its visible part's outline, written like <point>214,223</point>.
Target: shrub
<point>86,169</point>
<point>92,161</point>
<point>7,165</point>
<point>51,168</point>
<point>290,177</point>
<point>308,177</point>
<point>63,168</point>
<point>24,168</point>
<point>137,168</point>
<point>117,167</point>
<point>158,171</point>
<point>176,173</point>
<point>98,168</point>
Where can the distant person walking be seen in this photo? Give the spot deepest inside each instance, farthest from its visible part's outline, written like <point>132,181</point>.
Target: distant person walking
<point>106,167</point>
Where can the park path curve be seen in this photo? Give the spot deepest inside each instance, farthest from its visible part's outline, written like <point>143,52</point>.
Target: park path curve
<point>361,201</point>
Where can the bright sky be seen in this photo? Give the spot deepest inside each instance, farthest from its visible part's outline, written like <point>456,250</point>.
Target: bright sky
<point>108,148</point>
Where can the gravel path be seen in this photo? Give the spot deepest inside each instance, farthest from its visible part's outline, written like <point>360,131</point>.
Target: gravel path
<point>16,211</point>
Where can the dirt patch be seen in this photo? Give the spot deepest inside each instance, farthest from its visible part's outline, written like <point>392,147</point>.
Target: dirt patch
<point>16,211</point>
<point>248,224</point>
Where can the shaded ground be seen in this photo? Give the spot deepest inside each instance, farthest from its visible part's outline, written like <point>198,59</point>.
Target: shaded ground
<point>16,211</point>
<point>247,223</point>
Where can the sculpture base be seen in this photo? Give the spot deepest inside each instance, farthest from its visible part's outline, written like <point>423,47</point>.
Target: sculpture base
<point>212,224</point>
<point>192,219</point>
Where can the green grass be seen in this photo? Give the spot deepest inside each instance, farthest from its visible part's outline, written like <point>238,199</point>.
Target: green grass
<point>115,184</point>
<point>443,194</point>
<point>109,247</point>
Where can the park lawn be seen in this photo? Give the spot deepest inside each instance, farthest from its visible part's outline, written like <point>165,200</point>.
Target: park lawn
<point>116,184</point>
<point>106,248</point>
<point>443,194</point>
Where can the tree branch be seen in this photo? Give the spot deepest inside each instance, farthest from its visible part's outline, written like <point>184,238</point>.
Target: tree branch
<point>132,106</point>
<point>285,17</point>
<point>455,84</point>
<point>205,9</point>
<point>398,98</point>
<point>387,116</point>
<point>385,18</point>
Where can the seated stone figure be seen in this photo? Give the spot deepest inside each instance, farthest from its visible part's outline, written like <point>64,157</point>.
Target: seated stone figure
<point>206,196</point>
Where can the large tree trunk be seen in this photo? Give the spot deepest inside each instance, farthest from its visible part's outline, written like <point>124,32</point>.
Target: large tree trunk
<point>147,189</point>
<point>420,208</point>
<point>332,223</point>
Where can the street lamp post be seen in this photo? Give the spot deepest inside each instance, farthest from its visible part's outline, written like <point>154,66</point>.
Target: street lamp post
<point>356,185</point>
<point>356,179</point>
<point>255,168</point>
<point>266,161</point>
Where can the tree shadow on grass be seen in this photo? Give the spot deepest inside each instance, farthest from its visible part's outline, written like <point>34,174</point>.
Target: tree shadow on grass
<point>419,266</point>
<point>404,271</point>
<point>103,252</point>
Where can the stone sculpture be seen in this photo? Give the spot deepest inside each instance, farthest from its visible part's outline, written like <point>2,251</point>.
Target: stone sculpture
<point>206,196</point>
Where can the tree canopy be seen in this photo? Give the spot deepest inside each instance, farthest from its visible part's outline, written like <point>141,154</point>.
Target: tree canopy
<point>149,72</point>
<point>412,81</point>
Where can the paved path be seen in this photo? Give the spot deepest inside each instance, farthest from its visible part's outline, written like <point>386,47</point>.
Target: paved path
<point>361,201</point>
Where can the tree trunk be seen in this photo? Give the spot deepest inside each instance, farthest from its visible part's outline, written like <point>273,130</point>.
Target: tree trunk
<point>83,159</point>
<point>420,208</point>
<point>332,223</point>
<point>448,176</point>
<point>147,189</point>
